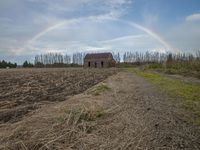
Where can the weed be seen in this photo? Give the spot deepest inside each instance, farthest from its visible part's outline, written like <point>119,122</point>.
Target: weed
<point>76,116</point>
<point>60,119</point>
<point>99,89</point>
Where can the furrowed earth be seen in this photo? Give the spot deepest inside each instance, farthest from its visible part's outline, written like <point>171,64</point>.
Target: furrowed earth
<point>23,90</point>
<point>59,109</point>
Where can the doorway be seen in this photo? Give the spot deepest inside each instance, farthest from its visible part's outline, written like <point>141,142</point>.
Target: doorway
<point>102,64</point>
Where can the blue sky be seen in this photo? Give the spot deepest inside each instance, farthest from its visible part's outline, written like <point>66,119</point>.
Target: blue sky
<point>30,27</point>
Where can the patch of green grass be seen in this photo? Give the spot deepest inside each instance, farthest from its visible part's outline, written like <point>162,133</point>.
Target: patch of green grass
<point>155,66</point>
<point>99,113</point>
<point>190,93</point>
<point>60,119</point>
<point>99,89</point>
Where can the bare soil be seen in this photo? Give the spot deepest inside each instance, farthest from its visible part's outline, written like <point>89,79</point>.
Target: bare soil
<point>132,114</point>
<point>23,90</point>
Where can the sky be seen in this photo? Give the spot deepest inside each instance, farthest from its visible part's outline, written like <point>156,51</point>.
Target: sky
<point>31,27</point>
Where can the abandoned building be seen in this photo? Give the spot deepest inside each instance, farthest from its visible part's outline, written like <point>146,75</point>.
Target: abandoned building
<point>99,60</point>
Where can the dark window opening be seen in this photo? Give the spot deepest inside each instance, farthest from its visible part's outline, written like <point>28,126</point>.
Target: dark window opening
<point>95,64</point>
<point>88,64</point>
<point>102,64</point>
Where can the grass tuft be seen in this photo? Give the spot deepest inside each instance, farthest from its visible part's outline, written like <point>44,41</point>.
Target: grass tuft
<point>99,89</point>
<point>79,115</point>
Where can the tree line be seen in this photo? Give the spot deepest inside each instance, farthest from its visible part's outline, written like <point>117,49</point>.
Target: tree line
<point>126,57</point>
<point>5,64</point>
<point>178,60</point>
<point>58,59</point>
<point>50,59</point>
<point>171,61</point>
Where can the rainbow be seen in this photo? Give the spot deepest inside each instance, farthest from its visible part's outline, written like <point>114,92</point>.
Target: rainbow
<point>151,33</point>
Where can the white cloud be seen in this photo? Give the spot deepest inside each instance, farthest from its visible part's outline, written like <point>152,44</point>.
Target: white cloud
<point>141,42</point>
<point>185,36</point>
<point>109,16</point>
<point>44,15</point>
<point>193,17</point>
<point>92,25</point>
<point>133,42</point>
<point>150,19</point>
<point>96,6</point>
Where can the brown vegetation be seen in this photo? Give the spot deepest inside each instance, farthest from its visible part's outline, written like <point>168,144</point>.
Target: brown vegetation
<point>127,113</point>
<point>23,90</point>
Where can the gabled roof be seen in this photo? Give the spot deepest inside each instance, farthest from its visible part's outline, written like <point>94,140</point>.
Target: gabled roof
<point>98,55</point>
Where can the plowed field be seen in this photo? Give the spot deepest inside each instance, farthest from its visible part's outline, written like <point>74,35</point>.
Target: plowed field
<point>24,90</point>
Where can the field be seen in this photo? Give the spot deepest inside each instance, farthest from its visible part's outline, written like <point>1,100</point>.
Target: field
<point>124,109</point>
<point>23,90</point>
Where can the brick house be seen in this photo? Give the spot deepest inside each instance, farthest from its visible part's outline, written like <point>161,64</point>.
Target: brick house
<point>99,60</point>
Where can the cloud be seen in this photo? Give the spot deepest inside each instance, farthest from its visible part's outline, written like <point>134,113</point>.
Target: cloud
<point>25,21</point>
<point>90,35</point>
<point>193,17</point>
<point>141,42</point>
<point>185,36</point>
<point>29,27</point>
<point>82,7</point>
<point>150,19</point>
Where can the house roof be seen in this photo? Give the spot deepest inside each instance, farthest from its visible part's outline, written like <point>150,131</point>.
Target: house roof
<point>98,55</point>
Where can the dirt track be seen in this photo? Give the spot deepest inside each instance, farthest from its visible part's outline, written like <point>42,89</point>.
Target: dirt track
<point>133,114</point>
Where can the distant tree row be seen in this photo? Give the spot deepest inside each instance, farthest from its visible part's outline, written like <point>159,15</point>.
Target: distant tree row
<point>4,64</point>
<point>155,57</point>
<point>117,57</point>
<point>147,57</point>
<point>179,61</point>
<point>59,59</point>
<point>76,59</point>
<point>27,64</point>
<point>49,58</point>
<point>184,61</point>
<point>56,59</point>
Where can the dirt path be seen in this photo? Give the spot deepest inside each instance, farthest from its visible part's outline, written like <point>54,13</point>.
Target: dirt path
<point>130,114</point>
<point>145,118</point>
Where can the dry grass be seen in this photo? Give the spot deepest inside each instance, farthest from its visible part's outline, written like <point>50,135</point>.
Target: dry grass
<point>65,128</point>
<point>127,117</point>
<point>99,89</point>
<point>23,90</point>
